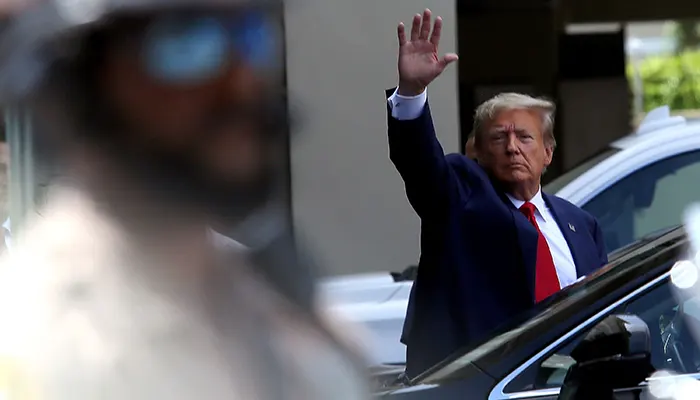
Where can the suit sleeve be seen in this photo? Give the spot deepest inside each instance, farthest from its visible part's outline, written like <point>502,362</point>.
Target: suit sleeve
<point>600,243</point>
<point>420,160</point>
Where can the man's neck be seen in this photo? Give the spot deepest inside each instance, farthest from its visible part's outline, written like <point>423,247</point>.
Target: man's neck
<point>153,225</point>
<point>524,192</point>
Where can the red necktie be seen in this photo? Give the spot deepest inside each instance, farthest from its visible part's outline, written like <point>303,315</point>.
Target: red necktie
<point>546,280</point>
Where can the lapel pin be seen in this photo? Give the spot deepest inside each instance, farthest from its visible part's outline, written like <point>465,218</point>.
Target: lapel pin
<point>573,228</point>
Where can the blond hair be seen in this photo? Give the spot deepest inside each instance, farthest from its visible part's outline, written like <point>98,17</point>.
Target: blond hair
<point>488,110</point>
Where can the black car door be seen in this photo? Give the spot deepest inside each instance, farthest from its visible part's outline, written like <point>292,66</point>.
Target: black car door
<point>659,309</point>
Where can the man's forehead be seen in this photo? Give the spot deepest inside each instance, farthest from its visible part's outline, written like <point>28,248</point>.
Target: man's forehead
<point>511,127</point>
<point>505,126</point>
<point>515,120</point>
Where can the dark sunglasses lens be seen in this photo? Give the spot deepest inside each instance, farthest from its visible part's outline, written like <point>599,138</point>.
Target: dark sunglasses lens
<point>191,49</point>
<point>185,49</point>
<point>254,40</point>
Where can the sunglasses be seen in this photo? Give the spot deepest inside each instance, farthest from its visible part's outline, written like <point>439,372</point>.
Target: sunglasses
<point>191,48</point>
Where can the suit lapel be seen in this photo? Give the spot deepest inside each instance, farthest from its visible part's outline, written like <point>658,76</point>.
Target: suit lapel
<point>527,241</point>
<point>527,238</point>
<point>568,229</point>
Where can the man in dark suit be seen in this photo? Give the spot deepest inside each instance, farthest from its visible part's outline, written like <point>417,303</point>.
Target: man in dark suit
<point>492,243</point>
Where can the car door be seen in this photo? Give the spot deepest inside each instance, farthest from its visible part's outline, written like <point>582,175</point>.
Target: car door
<point>542,376</point>
<point>647,200</point>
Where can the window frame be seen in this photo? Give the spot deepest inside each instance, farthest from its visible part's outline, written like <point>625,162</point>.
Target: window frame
<point>662,146</point>
<point>598,191</point>
<point>498,391</point>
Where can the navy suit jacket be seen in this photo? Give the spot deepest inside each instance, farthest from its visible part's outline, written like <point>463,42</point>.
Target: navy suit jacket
<point>478,252</point>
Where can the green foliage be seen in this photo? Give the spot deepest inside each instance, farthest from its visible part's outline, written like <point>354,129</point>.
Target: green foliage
<point>687,35</point>
<point>672,80</point>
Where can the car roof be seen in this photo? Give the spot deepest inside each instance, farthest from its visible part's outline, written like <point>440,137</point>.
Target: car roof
<point>658,126</point>
<point>660,135</point>
<point>644,260</point>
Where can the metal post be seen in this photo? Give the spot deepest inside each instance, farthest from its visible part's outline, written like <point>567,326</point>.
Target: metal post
<point>22,178</point>
<point>638,88</point>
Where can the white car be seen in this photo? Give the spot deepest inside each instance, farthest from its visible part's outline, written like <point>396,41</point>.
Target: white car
<point>639,185</point>
<point>377,301</point>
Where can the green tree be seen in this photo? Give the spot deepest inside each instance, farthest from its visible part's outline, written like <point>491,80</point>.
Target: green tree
<point>670,80</point>
<point>687,35</point>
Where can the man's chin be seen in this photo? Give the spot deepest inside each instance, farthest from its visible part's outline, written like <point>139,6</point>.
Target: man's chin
<point>515,177</point>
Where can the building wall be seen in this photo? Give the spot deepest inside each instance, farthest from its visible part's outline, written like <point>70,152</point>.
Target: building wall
<point>348,200</point>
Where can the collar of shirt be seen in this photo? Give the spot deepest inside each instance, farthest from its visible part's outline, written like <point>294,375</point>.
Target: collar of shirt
<point>6,225</point>
<point>537,201</point>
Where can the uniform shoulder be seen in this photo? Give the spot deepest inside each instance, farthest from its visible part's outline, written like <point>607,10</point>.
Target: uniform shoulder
<point>571,208</point>
<point>456,159</point>
<point>461,162</point>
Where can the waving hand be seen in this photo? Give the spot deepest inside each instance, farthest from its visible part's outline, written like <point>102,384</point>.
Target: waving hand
<point>419,61</point>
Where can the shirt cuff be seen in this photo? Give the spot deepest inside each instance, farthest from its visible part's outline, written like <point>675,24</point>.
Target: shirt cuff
<point>407,107</point>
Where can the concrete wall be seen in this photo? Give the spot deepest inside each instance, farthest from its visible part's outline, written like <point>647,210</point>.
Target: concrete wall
<point>595,112</point>
<point>348,200</point>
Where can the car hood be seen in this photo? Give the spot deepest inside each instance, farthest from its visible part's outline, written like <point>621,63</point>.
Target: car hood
<point>359,289</point>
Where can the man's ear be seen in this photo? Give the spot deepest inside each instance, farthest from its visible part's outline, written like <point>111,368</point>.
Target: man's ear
<point>470,148</point>
<point>548,154</point>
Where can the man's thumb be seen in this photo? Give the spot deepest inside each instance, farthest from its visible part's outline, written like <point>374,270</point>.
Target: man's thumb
<point>448,58</point>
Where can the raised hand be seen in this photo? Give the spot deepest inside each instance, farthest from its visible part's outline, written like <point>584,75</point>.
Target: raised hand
<point>419,63</point>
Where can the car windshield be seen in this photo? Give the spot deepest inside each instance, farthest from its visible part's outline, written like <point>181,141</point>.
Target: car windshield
<point>620,261</point>
<point>559,183</point>
<point>616,254</point>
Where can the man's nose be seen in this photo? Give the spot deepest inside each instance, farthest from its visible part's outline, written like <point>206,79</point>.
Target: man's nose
<point>512,144</point>
<point>243,82</point>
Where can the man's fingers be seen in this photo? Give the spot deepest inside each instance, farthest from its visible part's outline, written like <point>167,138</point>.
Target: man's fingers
<point>401,30</point>
<point>437,31</point>
<point>447,59</point>
<point>415,29</point>
<point>425,25</point>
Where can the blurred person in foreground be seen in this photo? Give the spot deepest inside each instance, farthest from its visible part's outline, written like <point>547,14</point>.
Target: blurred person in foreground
<point>492,244</point>
<point>167,118</point>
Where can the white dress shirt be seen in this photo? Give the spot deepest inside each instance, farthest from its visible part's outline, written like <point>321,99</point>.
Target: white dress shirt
<point>406,108</point>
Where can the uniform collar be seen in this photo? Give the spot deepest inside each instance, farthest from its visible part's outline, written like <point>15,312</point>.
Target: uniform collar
<point>537,200</point>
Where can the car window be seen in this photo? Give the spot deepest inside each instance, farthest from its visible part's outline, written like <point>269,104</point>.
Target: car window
<point>567,177</point>
<point>647,200</point>
<point>671,326</point>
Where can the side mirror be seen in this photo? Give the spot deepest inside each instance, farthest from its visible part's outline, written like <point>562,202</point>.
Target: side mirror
<point>615,354</point>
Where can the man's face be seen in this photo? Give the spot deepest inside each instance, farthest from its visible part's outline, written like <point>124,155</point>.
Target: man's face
<point>213,125</point>
<point>514,149</point>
